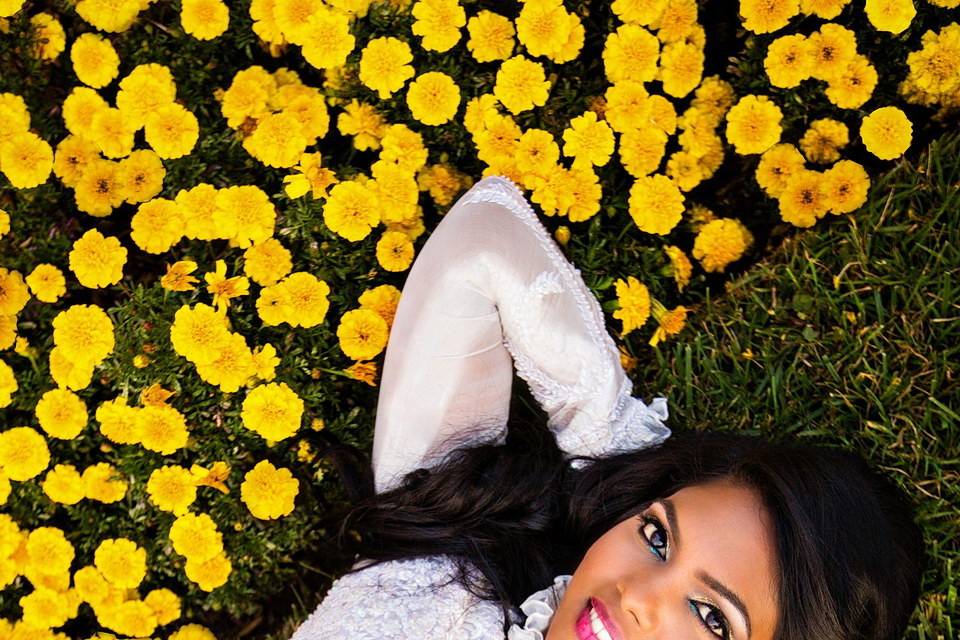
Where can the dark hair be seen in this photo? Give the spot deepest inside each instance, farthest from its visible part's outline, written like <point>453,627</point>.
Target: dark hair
<point>850,556</point>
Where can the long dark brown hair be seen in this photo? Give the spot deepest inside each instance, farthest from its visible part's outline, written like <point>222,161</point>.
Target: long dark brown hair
<point>850,556</point>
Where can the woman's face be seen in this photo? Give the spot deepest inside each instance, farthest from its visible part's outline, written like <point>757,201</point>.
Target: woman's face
<point>697,565</point>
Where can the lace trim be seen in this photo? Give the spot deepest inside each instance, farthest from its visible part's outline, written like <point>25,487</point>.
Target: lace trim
<point>539,608</point>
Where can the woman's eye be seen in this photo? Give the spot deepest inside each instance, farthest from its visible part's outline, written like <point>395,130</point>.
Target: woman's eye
<point>711,619</point>
<point>655,535</point>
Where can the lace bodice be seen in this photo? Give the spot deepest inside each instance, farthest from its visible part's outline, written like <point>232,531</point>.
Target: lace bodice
<point>489,291</point>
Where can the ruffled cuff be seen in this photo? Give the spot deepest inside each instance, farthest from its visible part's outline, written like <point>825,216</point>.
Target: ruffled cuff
<point>539,609</point>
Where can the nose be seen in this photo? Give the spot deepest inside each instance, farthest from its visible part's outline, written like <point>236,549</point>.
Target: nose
<point>640,604</point>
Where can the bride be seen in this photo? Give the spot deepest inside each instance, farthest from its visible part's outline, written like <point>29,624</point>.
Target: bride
<point>598,524</point>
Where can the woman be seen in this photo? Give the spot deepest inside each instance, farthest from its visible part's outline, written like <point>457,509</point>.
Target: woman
<point>698,535</point>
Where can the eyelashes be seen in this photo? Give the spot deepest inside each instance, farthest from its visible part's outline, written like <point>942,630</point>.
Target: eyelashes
<point>710,618</point>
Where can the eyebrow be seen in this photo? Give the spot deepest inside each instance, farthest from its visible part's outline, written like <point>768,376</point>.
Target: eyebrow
<point>710,581</point>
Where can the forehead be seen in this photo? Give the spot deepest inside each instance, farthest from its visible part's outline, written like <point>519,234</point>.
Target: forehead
<point>726,532</point>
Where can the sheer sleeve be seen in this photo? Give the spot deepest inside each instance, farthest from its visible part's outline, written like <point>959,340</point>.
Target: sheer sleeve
<point>491,290</point>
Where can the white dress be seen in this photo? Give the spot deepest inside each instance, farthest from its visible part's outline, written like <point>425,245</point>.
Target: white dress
<point>490,290</point>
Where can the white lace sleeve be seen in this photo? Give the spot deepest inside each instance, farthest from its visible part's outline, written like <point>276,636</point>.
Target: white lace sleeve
<point>490,285</point>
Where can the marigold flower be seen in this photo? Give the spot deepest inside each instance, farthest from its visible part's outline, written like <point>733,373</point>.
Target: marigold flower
<point>118,421</point>
<point>102,482</point>
<point>351,210</point>
<point>209,574</point>
<point>362,334</point>
<point>845,186</point>
<point>788,61</point>
<point>753,124</point>
<point>196,536</point>
<point>61,413</point>
<point>802,201</point>
<point>178,276</point>
<point>886,133</point>
<point>433,98</point>
<point>385,65</point>
<point>721,242</point>
<point>267,262</point>
<point>633,299</point>
<point>394,251</point>
<point>84,333</point>
<point>94,60</point>
<point>223,288</point>
<point>97,260</point>
<point>491,36</point>
<point>63,484</point>
<point>893,16</point>
<point>162,428</point>
<point>521,84</point>
<point>204,19</point>
<point>364,372</point>
<point>27,160</point>
<point>13,292</point>
<point>680,267</point>
<point>269,492</point>
<point>671,321</point>
<point>272,410</point>
<point>656,204</point>
<point>121,562</point>
<point>631,53</point>
<point>47,282</point>
<point>767,16</point>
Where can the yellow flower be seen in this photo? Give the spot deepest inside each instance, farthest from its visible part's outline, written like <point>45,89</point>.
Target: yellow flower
<point>491,36</point>
<point>362,334</point>
<point>824,139</point>
<point>155,395</point>
<point>71,158</point>
<point>272,410</point>
<point>278,140</point>
<point>102,482</point>
<point>47,282</point>
<point>753,124</point>
<point>364,372</point>
<point>13,292</point>
<point>306,296</point>
<point>48,551</point>
<point>767,16</point>
<point>72,374</point>
<point>165,605</point>
<point>833,47</point>
<point>588,140</point>
<point>776,165</point>
<point>90,585</point>
<point>50,40</point>
<point>44,608</point>
<point>641,150</point>
<point>685,170</point>
<point>438,22</point>
<point>327,40</point>
<point>886,133</point>
<point>84,333</point>
<point>109,16</point>
<point>802,201</point>
<point>204,19</point>
<point>274,305</point>
<point>171,131</point>
<point>99,190</point>
<point>223,288</point>
<point>383,300</point>
<point>162,428</point>
<point>112,133</point>
<point>94,59</point>
<point>310,176</point>
<point>265,359</point>
<point>521,84</point>
<point>8,384</point>
<point>192,632</point>
<point>172,488</point>
<point>157,225</point>
<point>198,206</point>
<point>721,242</point>
<point>394,251</point>
<point>788,61</point>
<point>212,477</point>
<point>121,562</point>
<point>677,22</point>
<point>269,492</point>
<point>364,122</point>
<point>385,65</point>
<point>631,53</point>
<point>4,223</point>
<point>633,299</point>
<point>656,204</point>
<point>826,9</point>
<point>845,186</point>
<point>198,332</point>
<point>196,536</point>
<point>130,617</point>
<point>178,276</point>
<point>893,16</point>
<point>433,98</point>
<point>118,422</point>
<point>352,210</point>
<point>671,322</point>
<point>267,262</point>
<point>63,484</point>
<point>680,267</point>
<point>97,260</point>
<point>61,413</point>
<point>246,211</point>
<point>232,367</point>
<point>209,574</point>
<point>681,68</point>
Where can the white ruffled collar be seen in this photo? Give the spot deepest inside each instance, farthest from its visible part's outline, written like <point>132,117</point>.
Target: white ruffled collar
<point>539,609</point>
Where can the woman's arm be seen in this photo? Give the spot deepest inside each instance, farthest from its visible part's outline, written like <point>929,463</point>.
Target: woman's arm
<point>491,286</point>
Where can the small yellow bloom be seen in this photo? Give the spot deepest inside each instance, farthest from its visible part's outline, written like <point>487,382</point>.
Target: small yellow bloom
<point>223,288</point>
<point>671,321</point>
<point>140,361</point>
<point>214,477</point>
<point>177,277</point>
<point>363,371</point>
<point>155,395</point>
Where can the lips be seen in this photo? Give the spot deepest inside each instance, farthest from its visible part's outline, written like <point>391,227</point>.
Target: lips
<point>594,623</point>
